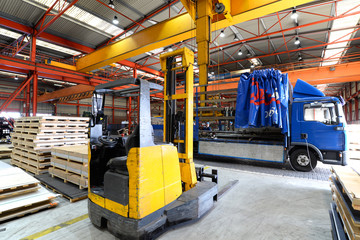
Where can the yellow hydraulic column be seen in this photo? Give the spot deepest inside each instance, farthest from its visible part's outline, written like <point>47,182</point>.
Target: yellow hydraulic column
<point>203,31</point>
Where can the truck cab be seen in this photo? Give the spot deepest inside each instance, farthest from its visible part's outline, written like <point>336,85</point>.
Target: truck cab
<point>318,131</point>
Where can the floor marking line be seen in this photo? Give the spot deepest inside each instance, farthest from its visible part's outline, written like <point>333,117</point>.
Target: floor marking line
<point>55,228</point>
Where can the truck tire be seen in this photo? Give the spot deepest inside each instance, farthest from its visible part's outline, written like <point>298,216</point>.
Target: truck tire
<point>300,161</point>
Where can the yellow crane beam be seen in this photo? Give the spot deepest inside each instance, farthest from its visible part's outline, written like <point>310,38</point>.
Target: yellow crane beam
<point>177,29</point>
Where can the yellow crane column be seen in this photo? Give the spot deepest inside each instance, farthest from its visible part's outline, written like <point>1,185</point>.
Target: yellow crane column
<point>203,31</point>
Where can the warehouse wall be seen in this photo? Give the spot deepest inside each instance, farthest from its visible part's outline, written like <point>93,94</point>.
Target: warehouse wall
<point>352,107</point>
<point>8,87</point>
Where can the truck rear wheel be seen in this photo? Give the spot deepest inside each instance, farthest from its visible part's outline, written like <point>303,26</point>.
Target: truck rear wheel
<point>302,160</point>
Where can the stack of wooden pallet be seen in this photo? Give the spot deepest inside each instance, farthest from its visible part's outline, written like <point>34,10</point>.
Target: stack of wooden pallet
<point>354,141</point>
<point>21,194</point>
<point>34,137</point>
<point>345,187</point>
<point>70,164</point>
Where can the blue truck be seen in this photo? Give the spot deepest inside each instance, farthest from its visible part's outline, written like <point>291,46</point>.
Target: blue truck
<point>275,122</point>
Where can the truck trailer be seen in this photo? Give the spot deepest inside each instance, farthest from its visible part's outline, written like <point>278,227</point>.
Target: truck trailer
<point>275,123</point>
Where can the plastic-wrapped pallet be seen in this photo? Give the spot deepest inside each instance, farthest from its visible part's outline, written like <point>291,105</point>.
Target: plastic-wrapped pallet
<point>70,163</point>
<point>34,137</point>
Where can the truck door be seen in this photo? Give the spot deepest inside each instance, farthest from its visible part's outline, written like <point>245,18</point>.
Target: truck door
<point>320,125</point>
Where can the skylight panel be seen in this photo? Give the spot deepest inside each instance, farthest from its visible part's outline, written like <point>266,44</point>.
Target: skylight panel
<point>39,42</point>
<point>334,51</point>
<point>85,17</point>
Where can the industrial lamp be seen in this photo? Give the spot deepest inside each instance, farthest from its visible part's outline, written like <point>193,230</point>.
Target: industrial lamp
<point>115,20</point>
<point>111,4</point>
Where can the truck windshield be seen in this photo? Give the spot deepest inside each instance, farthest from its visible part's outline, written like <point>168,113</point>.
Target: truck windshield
<point>323,112</point>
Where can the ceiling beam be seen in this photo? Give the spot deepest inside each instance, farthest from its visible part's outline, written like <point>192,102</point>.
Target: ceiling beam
<point>66,43</point>
<point>175,30</point>
<point>65,92</point>
<point>349,72</point>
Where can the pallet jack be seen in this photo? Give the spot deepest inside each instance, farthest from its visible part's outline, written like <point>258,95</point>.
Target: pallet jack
<point>139,189</point>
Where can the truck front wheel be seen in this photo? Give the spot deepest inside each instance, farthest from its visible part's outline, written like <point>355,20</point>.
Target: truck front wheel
<point>302,160</point>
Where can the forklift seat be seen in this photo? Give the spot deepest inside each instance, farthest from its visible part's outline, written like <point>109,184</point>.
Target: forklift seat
<point>118,164</point>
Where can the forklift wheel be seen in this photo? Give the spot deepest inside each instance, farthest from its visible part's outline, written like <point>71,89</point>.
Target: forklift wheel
<point>300,161</point>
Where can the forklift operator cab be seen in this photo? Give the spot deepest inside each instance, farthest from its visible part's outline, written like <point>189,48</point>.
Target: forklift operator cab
<point>117,172</point>
<point>138,189</point>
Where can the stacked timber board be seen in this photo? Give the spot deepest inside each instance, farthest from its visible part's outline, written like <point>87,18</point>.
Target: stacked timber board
<point>21,194</point>
<point>70,164</point>
<point>345,187</point>
<point>34,137</point>
<point>5,150</point>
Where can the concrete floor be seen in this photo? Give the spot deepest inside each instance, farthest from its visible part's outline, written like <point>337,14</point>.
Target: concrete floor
<point>260,206</point>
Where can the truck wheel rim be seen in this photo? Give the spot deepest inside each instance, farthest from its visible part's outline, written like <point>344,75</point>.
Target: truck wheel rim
<point>303,160</point>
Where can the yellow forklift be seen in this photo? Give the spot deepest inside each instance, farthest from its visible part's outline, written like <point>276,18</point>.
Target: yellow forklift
<point>138,188</point>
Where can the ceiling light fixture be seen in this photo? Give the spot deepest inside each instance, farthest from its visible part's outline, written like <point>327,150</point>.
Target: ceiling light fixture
<point>170,49</point>
<point>240,52</point>
<point>222,34</point>
<point>115,20</point>
<point>152,21</point>
<point>294,14</point>
<point>297,41</point>
<point>236,39</point>
<point>111,4</point>
<point>16,77</point>
<point>252,66</point>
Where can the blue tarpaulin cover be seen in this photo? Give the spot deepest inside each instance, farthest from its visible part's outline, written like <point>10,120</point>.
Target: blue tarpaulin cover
<point>262,100</point>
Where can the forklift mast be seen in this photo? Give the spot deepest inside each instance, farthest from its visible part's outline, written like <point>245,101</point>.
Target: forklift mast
<point>178,126</point>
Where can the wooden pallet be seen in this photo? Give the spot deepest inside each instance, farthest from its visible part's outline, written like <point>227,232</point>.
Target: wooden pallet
<point>52,118</point>
<point>40,157</point>
<point>67,176</point>
<point>32,162</point>
<point>51,131</point>
<point>350,182</point>
<point>28,167</point>
<point>68,165</point>
<point>67,190</point>
<point>73,153</point>
<point>46,137</point>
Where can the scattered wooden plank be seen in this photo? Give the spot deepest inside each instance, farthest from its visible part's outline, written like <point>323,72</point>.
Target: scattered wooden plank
<point>349,216</point>
<point>14,178</point>
<point>19,192</point>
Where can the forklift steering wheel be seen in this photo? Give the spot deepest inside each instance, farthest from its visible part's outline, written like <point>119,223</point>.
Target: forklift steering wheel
<point>108,141</point>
